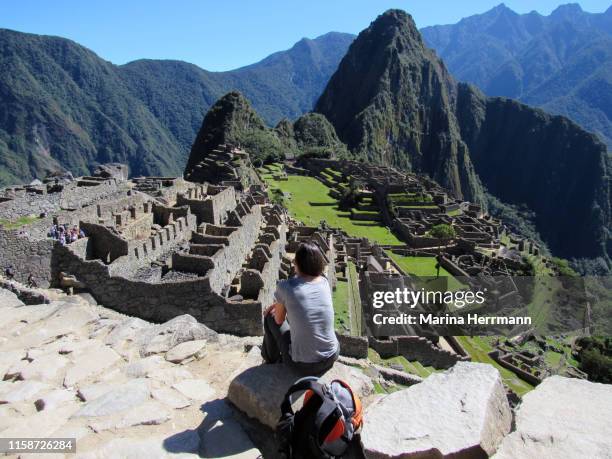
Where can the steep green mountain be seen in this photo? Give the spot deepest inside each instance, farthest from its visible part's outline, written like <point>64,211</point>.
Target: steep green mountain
<point>233,120</point>
<point>561,62</point>
<point>393,101</point>
<point>61,106</point>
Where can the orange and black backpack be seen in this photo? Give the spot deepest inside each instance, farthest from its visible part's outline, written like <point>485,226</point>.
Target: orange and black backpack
<point>324,427</point>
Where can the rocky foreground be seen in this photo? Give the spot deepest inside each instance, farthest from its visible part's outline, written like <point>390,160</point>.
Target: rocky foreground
<point>124,387</point>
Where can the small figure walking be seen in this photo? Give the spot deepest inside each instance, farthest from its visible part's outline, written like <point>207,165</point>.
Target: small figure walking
<point>31,281</point>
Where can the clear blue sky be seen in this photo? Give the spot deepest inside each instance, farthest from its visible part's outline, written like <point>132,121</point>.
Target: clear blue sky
<point>225,34</point>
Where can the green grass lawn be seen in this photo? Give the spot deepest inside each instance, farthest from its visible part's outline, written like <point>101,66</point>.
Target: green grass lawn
<point>22,221</point>
<point>341,309</point>
<point>454,213</point>
<point>424,267</point>
<point>478,349</point>
<point>310,203</point>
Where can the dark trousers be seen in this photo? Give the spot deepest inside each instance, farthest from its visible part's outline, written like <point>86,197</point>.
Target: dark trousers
<point>276,346</point>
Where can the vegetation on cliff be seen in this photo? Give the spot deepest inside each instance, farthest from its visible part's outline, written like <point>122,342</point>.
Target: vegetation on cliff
<point>315,136</point>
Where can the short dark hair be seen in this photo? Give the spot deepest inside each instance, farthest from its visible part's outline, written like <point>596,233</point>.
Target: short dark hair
<point>309,259</point>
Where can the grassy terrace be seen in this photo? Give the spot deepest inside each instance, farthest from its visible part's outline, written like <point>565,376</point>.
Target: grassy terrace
<point>340,297</point>
<point>308,201</point>
<point>22,221</point>
<point>412,367</point>
<point>424,267</point>
<point>478,348</point>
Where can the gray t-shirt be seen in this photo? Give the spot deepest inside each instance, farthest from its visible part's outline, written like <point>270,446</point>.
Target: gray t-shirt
<point>310,313</point>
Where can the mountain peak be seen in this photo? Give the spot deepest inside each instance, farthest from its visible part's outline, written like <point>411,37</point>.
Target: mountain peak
<point>501,7</point>
<point>394,28</point>
<point>567,11</point>
<point>396,19</point>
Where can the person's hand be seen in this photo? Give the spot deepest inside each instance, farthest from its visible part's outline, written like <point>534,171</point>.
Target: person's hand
<point>269,310</point>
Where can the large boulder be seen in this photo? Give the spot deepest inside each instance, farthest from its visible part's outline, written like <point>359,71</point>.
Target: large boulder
<point>460,413</point>
<point>112,170</point>
<point>562,417</point>
<point>259,391</point>
<point>161,338</point>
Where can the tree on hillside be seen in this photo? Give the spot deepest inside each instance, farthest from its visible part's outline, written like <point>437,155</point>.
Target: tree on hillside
<point>443,231</point>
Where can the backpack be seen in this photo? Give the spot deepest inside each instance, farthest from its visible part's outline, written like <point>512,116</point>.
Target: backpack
<point>330,416</point>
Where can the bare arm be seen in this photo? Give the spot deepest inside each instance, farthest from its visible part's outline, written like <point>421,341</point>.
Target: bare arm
<point>280,313</point>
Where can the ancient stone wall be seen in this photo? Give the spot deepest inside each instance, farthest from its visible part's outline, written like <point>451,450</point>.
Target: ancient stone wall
<point>353,346</point>
<point>26,256</point>
<point>26,295</point>
<point>105,243</point>
<point>161,301</point>
<point>416,348</point>
<point>213,208</point>
<point>70,198</point>
<point>228,261</point>
<point>142,252</point>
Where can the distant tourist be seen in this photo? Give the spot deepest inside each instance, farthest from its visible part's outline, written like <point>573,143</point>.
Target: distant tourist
<point>74,234</point>
<point>31,281</point>
<point>53,232</point>
<point>9,273</point>
<point>299,326</point>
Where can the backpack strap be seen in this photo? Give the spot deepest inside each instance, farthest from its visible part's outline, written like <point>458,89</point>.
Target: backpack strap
<point>309,383</point>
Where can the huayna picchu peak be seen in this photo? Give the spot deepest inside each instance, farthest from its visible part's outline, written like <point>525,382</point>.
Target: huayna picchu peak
<point>393,101</point>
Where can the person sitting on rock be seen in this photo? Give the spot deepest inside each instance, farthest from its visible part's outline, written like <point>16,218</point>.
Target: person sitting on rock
<point>299,325</point>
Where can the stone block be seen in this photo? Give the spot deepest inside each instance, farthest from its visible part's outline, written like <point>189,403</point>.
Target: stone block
<point>562,417</point>
<point>186,350</point>
<point>259,391</point>
<point>122,397</point>
<point>461,413</point>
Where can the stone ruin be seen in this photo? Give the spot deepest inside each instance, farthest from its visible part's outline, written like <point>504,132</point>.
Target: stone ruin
<point>226,165</point>
<point>156,247</point>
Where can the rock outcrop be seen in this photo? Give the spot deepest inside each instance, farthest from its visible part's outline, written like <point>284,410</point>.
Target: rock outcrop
<point>393,102</point>
<point>259,390</point>
<point>461,413</point>
<point>562,417</point>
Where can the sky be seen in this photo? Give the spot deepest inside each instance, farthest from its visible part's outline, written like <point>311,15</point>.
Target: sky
<point>225,34</point>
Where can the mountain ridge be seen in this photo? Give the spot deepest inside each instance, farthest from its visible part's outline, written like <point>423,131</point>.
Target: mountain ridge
<point>523,56</point>
<point>145,113</point>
